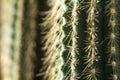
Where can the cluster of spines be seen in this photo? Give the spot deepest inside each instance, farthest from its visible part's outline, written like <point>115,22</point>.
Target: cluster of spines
<point>61,46</point>
<point>91,71</point>
<point>113,58</point>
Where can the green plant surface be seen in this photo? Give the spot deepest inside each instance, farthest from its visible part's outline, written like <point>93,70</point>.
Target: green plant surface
<point>82,40</point>
<point>64,39</point>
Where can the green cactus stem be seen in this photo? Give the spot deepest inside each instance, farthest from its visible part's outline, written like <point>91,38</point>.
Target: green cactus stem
<point>92,70</point>
<point>74,41</point>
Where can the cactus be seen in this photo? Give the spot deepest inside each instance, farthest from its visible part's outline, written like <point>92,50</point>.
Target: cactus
<point>11,33</point>
<point>17,36</point>
<point>28,40</point>
<point>92,56</point>
<point>81,40</point>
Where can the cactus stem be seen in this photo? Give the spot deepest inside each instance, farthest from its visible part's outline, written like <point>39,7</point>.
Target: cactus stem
<point>113,38</point>
<point>90,72</point>
<point>74,46</point>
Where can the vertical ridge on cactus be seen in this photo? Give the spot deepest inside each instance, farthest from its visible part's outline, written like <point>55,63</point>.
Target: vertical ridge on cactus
<point>112,14</point>
<point>74,36</point>
<point>91,70</point>
<point>53,41</point>
<point>60,46</point>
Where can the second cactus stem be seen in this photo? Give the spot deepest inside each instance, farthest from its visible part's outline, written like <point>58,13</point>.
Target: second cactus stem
<point>91,70</point>
<point>112,32</point>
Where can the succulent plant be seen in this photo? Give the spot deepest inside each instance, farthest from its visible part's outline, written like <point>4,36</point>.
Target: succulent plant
<point>80,39</point>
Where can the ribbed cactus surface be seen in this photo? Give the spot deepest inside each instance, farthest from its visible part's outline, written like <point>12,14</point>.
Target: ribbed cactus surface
<point>82,40</point>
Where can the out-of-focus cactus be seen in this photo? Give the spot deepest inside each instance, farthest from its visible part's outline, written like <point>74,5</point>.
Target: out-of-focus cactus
<point>28,40</point>
<point>11,19</point>
<point>17,41</point>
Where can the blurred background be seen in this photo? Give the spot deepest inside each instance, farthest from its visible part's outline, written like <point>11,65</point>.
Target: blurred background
<point>20,39</point>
